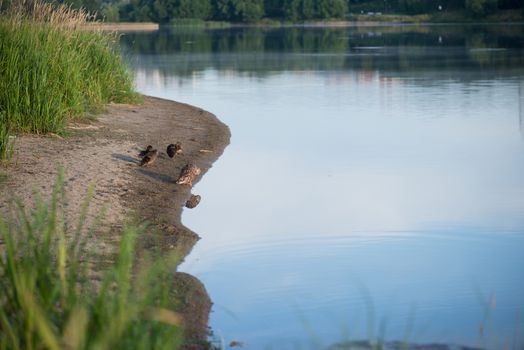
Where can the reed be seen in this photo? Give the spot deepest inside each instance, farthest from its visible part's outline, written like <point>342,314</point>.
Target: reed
<point>49,301</point>
<point>6,140</point>
<point>51,70</point>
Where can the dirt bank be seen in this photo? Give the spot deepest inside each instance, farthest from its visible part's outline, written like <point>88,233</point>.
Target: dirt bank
<point>122,26</point>
<point>104,152</point>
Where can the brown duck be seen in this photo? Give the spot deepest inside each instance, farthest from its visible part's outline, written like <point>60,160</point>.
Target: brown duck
<point>188,174</point>
<point>149,158</point>
<point>173,149</point>
<point>145,151</point>
<point>193,201</point>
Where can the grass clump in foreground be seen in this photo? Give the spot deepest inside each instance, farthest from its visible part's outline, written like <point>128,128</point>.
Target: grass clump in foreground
<point>52,70</point>
<point>48,300</point>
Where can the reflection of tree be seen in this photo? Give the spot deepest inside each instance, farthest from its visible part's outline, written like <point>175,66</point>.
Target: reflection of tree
<point>261,51</point>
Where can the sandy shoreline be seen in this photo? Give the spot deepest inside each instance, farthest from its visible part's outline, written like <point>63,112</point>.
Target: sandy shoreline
<point>104,152</point>
<point>123,26</point>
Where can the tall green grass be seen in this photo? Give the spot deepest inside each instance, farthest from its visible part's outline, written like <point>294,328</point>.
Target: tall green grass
<point>6,140</point>
<point>50,301</point>
<point>52,70</point>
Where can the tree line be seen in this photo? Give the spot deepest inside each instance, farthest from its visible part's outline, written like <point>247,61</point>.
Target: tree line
<point>165,11</point>
<point>474,8</point>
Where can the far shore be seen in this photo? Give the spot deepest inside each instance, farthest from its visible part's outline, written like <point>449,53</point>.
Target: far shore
<point>354,20</point>
<point>152,27</point>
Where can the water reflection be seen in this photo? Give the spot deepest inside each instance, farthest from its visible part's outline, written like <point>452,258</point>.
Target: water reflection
<point>261,52</point>
<point>521,107</point>
<point>373,186</point>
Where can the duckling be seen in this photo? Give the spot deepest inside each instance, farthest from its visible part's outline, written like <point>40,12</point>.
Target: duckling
<point>149,158</point>
<point>173,149</point>
<point>145,151</point>
<point>193,201</point>
<point>188,174</point>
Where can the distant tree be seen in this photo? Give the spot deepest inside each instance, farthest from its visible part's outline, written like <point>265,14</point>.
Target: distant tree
<point>192,9</point>
<point>143,14</point>
<point>125,12</point>
<point>307,9</point>
<point>479,8</point>
<point>201,9</point>
<point>291,10</point>
<point>274,8</point>
<point>110,12</point>
<point>248,10</point>
<point>160,12</point>
<point>222,9</point>
<point>331,8</point>
<point>136,11</point>
<point>238,10</point>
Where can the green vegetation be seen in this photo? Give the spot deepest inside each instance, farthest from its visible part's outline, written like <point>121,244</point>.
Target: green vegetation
<point>50,301</point>
<point>168,11</point>
<point>51,70</point>
<point>165,11</point>
<point>6,140</point>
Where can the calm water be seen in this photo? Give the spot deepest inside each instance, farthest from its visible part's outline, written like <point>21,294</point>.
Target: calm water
<point>374,185</point>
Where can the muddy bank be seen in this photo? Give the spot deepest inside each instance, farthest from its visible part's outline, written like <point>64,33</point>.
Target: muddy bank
<point>104,152</point>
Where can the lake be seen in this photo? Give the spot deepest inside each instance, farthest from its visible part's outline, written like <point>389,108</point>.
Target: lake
<point>374,184</point>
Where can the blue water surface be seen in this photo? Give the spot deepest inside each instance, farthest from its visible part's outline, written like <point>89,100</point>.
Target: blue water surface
<point>373,187</point>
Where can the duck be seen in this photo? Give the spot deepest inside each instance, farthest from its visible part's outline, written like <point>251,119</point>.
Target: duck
<point>193,201</point>
<point>173,149</point>
<point>145,151</point>
<point>149,158</point>
<point>188,174</point>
